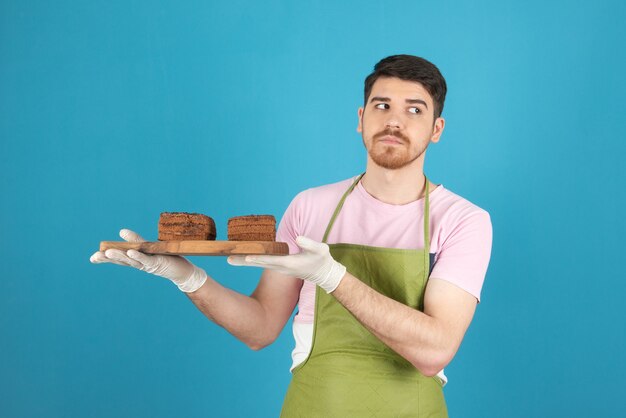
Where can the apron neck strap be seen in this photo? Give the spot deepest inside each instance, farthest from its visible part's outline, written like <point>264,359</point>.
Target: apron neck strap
<point>426,230</point>
<point>426,213</point>
<point>339,206</point>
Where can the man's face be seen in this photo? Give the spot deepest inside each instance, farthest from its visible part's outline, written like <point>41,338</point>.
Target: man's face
<point>397,122</point>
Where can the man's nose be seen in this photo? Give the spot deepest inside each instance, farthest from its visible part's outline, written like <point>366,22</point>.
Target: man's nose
<point>393,121</point>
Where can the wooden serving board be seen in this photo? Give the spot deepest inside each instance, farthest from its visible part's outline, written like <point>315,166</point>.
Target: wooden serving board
<point>200,247</point>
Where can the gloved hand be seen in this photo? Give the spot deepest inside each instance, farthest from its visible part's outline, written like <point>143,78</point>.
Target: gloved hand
<point>185,275</point>
<point>314,263</point>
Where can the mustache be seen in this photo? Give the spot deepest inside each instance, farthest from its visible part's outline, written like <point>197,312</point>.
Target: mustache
<point>389,132</point>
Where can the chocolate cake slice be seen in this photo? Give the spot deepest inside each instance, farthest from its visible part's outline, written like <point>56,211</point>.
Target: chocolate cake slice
<point>179,226</point>
<point>252,228</point>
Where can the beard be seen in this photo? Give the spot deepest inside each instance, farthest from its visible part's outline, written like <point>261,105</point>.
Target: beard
<point>393,157</point>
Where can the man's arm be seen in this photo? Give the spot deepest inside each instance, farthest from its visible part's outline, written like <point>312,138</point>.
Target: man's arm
<point>256,320</point>
<point>429,339</point>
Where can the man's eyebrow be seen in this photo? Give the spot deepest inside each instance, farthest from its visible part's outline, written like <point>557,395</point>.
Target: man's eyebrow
<point>387,99</point>
<point>417,101</point>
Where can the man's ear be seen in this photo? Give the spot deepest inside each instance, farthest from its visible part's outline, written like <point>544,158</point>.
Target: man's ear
<point>359,127</point>
<point>440,123</point>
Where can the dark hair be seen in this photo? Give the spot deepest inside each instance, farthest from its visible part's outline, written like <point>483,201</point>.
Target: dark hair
<point>411,68</point>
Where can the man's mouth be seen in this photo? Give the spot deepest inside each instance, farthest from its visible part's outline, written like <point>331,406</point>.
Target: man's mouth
<point>390,139</point>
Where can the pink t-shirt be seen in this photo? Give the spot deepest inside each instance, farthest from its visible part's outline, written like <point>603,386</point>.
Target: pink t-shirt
<point>460,232</point>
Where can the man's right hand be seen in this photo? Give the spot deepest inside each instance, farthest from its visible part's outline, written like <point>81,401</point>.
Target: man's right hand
<point>179,270</point>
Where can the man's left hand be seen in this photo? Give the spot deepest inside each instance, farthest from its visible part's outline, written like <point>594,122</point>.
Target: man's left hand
<point>314,263</point>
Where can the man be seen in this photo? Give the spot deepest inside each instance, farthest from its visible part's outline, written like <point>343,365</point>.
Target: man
<point>386,268</point>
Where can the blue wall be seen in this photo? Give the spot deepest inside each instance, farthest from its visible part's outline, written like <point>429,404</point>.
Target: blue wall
<point>113,112</point>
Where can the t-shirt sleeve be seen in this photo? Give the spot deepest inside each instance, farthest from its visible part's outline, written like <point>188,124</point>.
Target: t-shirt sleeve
<point>289,226</point>
<point>464,255</point>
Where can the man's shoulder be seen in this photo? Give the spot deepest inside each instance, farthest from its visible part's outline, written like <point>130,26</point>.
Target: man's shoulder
<point>310,210</point>
<point>447,201</point>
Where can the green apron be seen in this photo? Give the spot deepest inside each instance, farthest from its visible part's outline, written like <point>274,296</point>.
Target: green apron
<point>351,373</point>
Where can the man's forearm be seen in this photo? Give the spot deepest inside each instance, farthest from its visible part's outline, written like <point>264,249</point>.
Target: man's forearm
<point>412,334</point>
<point>243,316</point>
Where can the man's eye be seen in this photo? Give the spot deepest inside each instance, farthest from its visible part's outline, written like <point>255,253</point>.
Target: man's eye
<point>382,106</point>
<point>414,110</point>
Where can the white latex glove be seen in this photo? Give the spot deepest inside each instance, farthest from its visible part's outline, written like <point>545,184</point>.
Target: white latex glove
<point>179,270</point>
<point>314,263</point>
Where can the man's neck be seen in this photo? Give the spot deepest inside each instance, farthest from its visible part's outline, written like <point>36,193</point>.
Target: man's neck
<point>395,187</point>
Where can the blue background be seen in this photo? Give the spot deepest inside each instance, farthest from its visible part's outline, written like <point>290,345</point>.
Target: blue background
<point>112,112</point>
